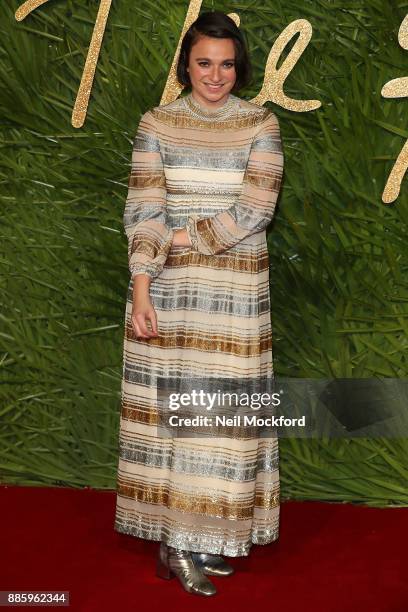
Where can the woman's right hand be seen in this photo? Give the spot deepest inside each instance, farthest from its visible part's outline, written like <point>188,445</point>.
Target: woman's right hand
<point>143,309</point>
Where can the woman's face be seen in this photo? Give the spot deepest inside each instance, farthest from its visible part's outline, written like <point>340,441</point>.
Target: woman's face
<point>212,70</point>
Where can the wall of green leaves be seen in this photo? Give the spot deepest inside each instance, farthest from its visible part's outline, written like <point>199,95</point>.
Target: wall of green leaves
<point>339,255</point>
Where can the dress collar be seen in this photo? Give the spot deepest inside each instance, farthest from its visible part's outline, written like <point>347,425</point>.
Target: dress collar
<point>204,112</point>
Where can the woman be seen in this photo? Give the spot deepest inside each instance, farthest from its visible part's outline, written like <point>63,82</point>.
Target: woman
<point>206,173</point>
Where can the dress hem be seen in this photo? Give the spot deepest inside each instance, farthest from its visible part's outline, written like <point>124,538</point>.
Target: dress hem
<point>228,550</point>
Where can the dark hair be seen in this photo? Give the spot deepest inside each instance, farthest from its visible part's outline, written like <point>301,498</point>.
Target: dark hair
<point>218,25</point>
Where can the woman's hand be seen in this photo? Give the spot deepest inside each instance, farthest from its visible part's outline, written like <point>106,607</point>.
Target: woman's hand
<point>143,309</point>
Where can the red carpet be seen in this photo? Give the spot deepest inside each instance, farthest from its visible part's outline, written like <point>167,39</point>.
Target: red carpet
<point>329,558</point>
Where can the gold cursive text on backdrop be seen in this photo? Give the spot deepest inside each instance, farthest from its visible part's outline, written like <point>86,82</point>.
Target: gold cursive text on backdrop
<point>272,87</point>
<point>397,88</point>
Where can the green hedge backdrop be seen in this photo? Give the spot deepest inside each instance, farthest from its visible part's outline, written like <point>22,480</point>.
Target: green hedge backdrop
<point>338,254</point>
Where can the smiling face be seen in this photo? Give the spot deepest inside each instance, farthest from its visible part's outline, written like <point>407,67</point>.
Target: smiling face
<point>212,70</point>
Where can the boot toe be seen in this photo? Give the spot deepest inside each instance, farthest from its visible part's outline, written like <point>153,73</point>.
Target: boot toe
<point>213,565</point>
<point>205,589</point>
<point>227,570</point>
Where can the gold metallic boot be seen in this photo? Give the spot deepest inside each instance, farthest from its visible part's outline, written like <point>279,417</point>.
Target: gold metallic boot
<point>174,562</point>
<point>212,565</point>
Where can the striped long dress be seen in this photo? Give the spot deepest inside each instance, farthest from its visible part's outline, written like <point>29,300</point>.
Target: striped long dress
<point>216,173</point>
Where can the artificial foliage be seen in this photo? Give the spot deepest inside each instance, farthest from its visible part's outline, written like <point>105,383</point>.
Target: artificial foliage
<point>338,254</point>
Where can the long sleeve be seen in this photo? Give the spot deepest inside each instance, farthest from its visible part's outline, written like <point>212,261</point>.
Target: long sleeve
<point>145,221</point>
<point>255,206</point>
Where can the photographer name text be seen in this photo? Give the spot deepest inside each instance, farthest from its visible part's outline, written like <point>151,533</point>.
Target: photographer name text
<point>236,421</point>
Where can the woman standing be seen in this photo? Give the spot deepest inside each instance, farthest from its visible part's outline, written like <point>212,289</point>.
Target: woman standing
<point>206,173</point>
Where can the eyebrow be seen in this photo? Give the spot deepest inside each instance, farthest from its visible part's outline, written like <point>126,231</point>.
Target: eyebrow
<point>229,59</point>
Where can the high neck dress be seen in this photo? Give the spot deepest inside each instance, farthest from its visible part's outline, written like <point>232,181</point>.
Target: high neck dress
<point>217,173</point>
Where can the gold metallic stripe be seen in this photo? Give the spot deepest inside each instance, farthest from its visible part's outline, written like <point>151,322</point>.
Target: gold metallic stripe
<point>143,243</point>
<point>266,500</point>
<point>138,180</point>
<point>181,118</point>
<point>137,414</point>
<point>238,262</point>
<point>201,342</point>
<point>265,180</point>
<point>197,504</point>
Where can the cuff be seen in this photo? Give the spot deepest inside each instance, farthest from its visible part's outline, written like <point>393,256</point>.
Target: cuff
<point>153,267</point>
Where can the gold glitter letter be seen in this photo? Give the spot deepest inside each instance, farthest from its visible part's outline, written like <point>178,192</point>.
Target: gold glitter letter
<point>85,87</point>
<point>397,88</point>
<point>272,88</point>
